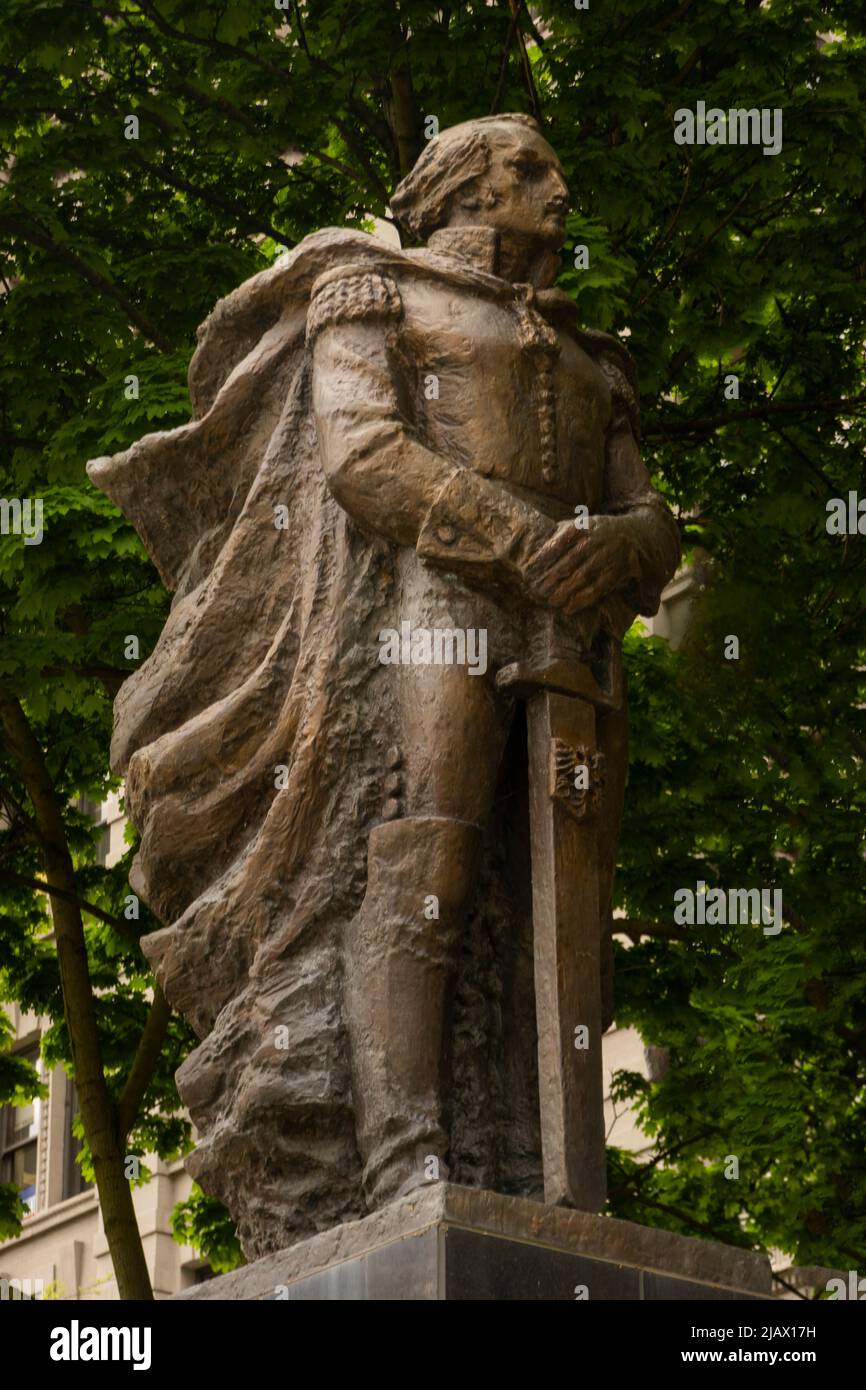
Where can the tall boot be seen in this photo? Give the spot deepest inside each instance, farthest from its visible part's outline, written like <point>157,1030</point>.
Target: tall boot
<point>399,972</point>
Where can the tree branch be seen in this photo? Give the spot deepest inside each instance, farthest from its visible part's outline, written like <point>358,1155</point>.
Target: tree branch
<point>792,1288</point>
<point>684,1217</point>
<point>248,221</point>
<point>526,65</point>
<point>144,1063</point>
<point>503,66</point>
<point>686,260</point>
<point>732,417</point>
<point>230,50</point>
<point>29,233</point>
<point>40,886</point>
<point>111,678</point>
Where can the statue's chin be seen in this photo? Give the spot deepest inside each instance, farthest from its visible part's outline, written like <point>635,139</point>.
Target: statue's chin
<point>553,235</point>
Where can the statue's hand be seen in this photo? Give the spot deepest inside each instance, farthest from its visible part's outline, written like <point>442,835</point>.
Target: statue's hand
<point>577,567</point>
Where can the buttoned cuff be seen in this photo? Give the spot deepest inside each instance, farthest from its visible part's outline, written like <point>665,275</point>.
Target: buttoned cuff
<point>475,525</point>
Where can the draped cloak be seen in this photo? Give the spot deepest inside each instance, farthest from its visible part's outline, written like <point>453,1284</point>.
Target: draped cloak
<point>254,740</point>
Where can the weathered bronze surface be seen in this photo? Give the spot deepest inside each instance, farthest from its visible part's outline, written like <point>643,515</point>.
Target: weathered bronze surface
<point>348,852</point>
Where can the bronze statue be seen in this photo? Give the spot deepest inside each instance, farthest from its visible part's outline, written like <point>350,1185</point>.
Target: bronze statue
<point>348,851</point>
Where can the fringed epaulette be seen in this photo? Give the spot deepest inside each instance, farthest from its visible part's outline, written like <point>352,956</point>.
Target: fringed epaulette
<point>620,373</point>
<point>350,293</point>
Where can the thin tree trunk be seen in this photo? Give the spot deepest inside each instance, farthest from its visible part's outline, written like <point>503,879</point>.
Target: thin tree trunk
<point>97,1110</point>
<point>401,107</point>
<point>403,117</point>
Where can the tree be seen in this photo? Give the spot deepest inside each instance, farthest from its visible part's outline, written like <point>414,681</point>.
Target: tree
<point>157,152</point>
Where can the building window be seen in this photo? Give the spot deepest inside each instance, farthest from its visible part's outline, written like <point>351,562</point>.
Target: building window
<point>74,1181</point>
<point>19,1127</point>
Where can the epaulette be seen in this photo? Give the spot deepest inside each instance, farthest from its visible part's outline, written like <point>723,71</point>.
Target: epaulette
<point>349,293</point>
<point>620,373</point>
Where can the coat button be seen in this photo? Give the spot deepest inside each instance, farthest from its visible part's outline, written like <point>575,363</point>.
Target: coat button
<point>446,534</point>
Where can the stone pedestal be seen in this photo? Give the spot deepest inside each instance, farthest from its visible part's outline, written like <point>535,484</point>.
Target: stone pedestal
<point>460,1243</point>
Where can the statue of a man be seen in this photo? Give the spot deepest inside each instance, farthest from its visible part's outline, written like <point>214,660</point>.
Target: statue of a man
<point>422,443</point>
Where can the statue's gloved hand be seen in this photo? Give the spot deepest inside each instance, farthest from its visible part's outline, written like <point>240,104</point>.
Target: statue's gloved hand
<point>577,567</point>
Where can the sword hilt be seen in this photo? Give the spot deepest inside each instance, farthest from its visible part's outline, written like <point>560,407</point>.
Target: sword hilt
<point>560,660</point>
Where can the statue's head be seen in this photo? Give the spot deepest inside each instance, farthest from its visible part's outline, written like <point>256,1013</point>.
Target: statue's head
<point>498,171</point>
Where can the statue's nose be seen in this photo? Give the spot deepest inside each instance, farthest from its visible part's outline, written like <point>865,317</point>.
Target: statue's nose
<point>560,197</point>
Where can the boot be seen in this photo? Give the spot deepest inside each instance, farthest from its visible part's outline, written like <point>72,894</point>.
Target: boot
<point>399,973</point>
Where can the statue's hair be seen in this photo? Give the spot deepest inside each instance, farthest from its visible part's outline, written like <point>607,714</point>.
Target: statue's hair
<point>452,159</point>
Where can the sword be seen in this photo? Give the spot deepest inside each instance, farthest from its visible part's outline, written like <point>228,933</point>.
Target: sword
<point>563,687</point>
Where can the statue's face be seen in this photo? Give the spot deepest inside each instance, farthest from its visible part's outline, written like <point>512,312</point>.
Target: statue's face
<point>530,187</point>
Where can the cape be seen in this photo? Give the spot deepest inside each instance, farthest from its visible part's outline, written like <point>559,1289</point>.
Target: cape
<point>253,741</point>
